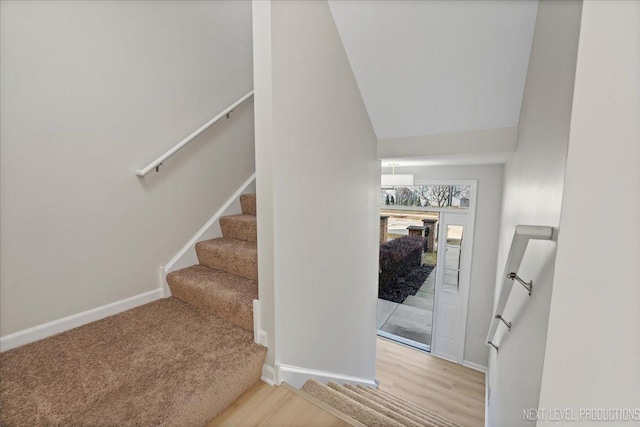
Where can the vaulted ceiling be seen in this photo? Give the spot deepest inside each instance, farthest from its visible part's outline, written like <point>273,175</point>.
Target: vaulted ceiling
<point>438,67</point>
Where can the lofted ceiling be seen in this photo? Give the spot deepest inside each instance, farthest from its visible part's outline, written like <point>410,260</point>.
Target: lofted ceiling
<point>438,67</point>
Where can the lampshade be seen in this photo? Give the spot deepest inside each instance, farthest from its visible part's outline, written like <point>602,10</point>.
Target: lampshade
<point>396,180</point>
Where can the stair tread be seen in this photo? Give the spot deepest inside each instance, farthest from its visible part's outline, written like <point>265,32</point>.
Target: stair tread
<point>245,218</point>
<point>234,256</point>
<point>395,415</point>
<point>374,407</point>
<point>401,406</point>
<point>226,295</point>
<point>224,242</point>
<point>347,406</point>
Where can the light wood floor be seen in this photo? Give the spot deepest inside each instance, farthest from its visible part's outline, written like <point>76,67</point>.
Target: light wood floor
<point>447,389</point>
<point>453,391</point>
<point>264,405</point>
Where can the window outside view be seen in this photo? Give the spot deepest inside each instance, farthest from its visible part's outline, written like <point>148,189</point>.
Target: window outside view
<point>408,257</point>
<point>440,196</point>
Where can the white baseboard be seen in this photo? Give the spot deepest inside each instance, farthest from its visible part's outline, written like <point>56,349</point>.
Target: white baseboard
<point>262,338</point>
<point>474,366</point>
<point>297,376</point>
<point>45,330</point>
<point>269,375</point>
<point>256,321</point>
<point>259,336</point>
<point>445,357</point>
<point>487,396</point>
<point>165,291</point>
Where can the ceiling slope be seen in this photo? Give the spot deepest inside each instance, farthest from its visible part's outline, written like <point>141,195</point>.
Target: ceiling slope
<point>438,67</point>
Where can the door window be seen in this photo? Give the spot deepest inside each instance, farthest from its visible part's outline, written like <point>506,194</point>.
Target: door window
<point>453,257</point>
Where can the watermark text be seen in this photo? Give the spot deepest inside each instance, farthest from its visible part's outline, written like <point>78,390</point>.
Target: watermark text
<point>581,414</point>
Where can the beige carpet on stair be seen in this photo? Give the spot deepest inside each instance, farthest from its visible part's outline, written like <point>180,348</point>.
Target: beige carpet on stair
<point>164,363</point>
<point>409,408</point>
<point>231,255</point>
<point>241,227</point>
<point>248,204</point>
<point>228,296</point>
<point>373,408</point>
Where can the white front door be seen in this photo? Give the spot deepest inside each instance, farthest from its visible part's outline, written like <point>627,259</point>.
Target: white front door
<point>455,237</point>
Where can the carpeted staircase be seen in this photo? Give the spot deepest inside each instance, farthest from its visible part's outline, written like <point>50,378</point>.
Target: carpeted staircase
<point>178,361</point>
<point>225,281</point>
<point>373,407</point>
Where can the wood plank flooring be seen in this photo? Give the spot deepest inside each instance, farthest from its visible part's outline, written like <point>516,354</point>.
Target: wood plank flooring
<point>445,388</point>
<point>264,405</point>
<point>453,391</point>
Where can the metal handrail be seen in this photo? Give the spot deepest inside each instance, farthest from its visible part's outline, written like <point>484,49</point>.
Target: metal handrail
<point>521,237</point>
<point>158,162</point>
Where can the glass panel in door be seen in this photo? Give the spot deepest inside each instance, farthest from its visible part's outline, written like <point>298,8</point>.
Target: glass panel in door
<point>453,256</point>
<point>406,290</point>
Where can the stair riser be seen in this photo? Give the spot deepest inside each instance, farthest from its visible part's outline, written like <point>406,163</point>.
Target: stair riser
<point>242,264</point>
<point>248,204</point>
<point>238,314</point>
<point>237,230</point>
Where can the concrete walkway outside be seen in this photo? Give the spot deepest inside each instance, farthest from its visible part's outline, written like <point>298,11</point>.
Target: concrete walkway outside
<point>414,318</point>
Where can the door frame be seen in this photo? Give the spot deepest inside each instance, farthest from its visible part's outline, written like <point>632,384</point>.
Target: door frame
<point>471,212</point>
<point>465,285</point>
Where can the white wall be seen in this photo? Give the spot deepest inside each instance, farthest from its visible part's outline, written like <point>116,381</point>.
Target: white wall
<point>324,172</point>
<point>265,157</point>
<point>534,178</point>
<point>438,66</point>
<point>593,343</point>
<point>92,91</point>
<point>485,245</point>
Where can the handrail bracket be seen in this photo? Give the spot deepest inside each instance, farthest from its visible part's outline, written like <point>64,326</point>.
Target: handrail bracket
<point>522,235</point>
<point>507,324</point>
<point>527,285</point>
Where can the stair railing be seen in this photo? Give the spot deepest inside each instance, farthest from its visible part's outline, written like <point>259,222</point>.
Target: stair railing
<point>173,150</point>
<point>521,237</point>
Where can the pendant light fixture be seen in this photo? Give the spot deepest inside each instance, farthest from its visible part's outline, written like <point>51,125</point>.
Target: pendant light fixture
<point>393,180</point>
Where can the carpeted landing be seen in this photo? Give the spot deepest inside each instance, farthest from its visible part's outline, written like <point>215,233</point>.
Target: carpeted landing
<point>175,362</point>
<point>163,363</point>
<point>374,407</point>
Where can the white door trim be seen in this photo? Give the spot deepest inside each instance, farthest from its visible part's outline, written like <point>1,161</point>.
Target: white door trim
<point>467,260</point>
